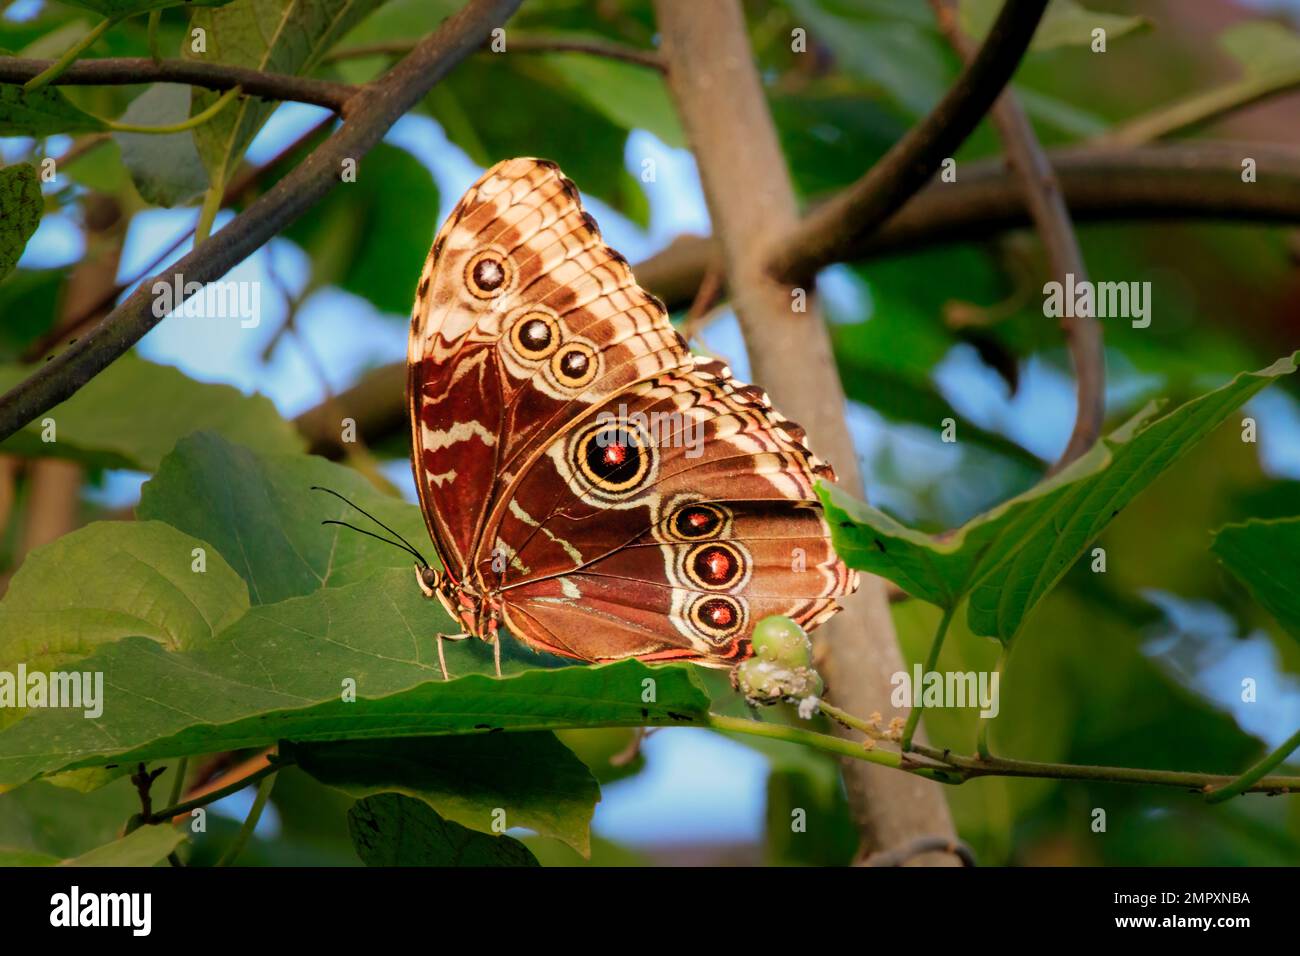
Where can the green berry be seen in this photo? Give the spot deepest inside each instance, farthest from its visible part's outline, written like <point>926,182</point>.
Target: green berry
<point>781,640</point>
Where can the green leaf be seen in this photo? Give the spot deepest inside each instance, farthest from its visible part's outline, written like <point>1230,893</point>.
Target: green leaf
<point>1262,48</point>
<point>1264,556</point>
<point>143,847</point>
<point>166,169</point>
<point>632,96</point>
<point>132,413</point>
<point>41,817</point>
<point>42,113</point>
<point>282,670</point>
<point>20,212</point>
<point>1066,23</point>
<point>1007,559</point>
<point>485,782</point>
<point>544,119</point>
<point>362,240</point>
<point>392,830</point>
<point>9,856</point>
<point>29,301</point>
<point>277,36</point>
<point>117,9</point>
<point>885,42</point>
<point>260,514</point>
<point>114,579</point>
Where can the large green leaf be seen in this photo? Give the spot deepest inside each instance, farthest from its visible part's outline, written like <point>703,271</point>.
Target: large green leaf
<point>29,301</point>
<point>20,212</point>
<point>132,413</point>
<point>114,579</point>
<point>893,43</point>
<point>282,672</point>
<point>630,95</point>
<point>544,119</point>
<point>393,830</point>
<point>1265,556</point>
<point>124,8</point>
<point>1266,51</point>
<point>1007,559</point>
<point>40,817</point>
<point>1065,23</point>
<point>166,169</point>
<point>142,847</point>
<point>484,782</point>
<point>371,236</point>
<point>278,36</point>
<point>260,514</point>
<point>41,113</point>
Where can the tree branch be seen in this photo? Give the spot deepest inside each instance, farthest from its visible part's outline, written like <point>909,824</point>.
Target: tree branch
<point>376,107</point>
<point>719,96</point>
<point>1052,221</point>
<point>535,43</point>
<point>857,212</point>
<point>128,71</point>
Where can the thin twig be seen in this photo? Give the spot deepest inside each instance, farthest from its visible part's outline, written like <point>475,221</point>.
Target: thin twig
<point>1052,221</point>
<point>377,107</point>
<point>520,44</point>
<point>860,210</point>
<point>121,71</point>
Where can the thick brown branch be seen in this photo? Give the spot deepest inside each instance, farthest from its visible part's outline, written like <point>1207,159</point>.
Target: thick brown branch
<point>1052,221</point>
<point>374,109</point>
<point>211,76</point>
<point>719,96</point>
<point>857,213</point>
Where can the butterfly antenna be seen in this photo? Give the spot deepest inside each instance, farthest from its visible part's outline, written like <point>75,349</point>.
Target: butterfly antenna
<point>406,545</point>
<point>377,537</point>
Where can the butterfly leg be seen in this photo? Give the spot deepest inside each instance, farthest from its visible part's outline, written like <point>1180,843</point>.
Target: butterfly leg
<point>496,651</point>
<point>442,657</point>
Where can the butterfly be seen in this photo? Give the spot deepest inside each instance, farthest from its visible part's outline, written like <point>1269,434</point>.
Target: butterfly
<point>589,484</point>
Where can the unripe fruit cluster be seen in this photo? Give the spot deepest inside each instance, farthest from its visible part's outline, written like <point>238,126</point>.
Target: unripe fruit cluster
<point>781,668</point>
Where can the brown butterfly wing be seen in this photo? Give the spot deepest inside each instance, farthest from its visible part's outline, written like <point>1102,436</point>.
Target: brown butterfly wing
<point>525,328</point>
<point>523,320</point>
<point>703,522</point>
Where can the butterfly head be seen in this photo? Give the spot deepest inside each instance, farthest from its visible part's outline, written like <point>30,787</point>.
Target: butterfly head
<point>431,579</point>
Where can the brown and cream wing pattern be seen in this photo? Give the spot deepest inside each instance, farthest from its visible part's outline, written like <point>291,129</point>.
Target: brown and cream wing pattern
<point>523,320</point>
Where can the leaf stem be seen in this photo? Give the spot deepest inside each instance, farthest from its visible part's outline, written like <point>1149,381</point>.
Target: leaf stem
<point>250,822</point>
<point>51,73</point>
<point>829,744</point>
<point>178,782</point>
<point>155,18</point>
<point>208,212</point>
<point>1257,772</point>
<point>181,809</point>
<point>931,662</point>
<point>982,736</point>
<point>198,119</point>
<point>970,767</point>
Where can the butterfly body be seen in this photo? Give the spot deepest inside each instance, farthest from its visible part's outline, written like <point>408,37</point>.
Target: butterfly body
<point>589,484</point>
